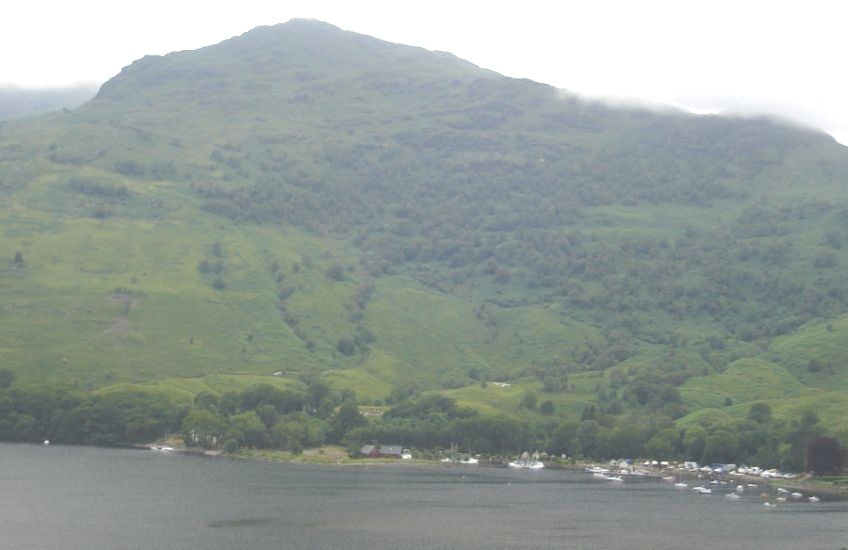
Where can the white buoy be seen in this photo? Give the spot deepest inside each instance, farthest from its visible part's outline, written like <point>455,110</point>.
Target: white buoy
<point>47,442</point>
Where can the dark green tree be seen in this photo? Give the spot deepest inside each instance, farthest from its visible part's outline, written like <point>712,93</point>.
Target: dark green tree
<point>346,419</point>
<point>336,272</point>
<point>346,346</point>
<point>202,427</point>
<point>529,400</point>
<point>563,440</point>
<point>760,412</point>
<point>248,430</point>
<point>721,446</point>
<point>694,443</point>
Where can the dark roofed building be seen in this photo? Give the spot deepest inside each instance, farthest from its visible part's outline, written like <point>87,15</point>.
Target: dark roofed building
<point>377,451</point>
<point>370,451</point>
<point>391,451</point>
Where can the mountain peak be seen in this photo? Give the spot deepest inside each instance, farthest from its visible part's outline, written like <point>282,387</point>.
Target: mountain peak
<point>297,49</point>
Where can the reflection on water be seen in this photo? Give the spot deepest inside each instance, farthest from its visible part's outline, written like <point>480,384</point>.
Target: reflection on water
<point>85,498</point>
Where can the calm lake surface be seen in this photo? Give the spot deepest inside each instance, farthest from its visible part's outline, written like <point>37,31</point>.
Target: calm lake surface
<point>73,498</point>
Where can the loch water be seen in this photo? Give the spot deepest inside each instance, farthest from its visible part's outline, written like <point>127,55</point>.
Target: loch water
<point>84,498</point>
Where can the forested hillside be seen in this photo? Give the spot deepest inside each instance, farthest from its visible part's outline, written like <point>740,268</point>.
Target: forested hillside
<point>306,201</point>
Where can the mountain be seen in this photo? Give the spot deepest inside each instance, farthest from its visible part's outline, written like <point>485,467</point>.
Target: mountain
<point>305,199</point>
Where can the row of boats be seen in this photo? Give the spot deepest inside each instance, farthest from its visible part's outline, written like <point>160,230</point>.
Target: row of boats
<point>617,475</point>
<point>524,462</point>
<point>784,495</point>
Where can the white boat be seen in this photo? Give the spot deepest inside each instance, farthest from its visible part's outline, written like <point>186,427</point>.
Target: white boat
<point>469,461</point>
<point>681,485</point>
<point>702,490</point>
<point>529,465</point>
<point>527,462</point>
<point>732,496</point>
<point>814,499</point>
<point>614,478</point>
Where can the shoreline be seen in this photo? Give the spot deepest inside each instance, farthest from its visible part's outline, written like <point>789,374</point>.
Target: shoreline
<point>337,456</point>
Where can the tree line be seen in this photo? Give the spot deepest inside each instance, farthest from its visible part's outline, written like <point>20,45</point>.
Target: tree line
<point>311,414</point>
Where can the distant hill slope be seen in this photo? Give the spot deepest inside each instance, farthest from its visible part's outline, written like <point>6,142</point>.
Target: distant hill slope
<point>18,102</point>
<point>304,198</point>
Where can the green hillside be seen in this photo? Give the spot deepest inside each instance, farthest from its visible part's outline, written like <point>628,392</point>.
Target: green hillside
<point>302,200</point>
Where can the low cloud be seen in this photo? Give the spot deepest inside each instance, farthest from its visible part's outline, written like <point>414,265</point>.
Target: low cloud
<point>782,112</point>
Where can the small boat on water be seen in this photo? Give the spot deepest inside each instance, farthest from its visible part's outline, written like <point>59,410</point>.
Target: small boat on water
<point>681,485</point>
<point>527,462</point>
<point>528,465</point>
<point>814,499</point>
<point>466,461</point>
<point>701,490</point>
<point>161,448</point>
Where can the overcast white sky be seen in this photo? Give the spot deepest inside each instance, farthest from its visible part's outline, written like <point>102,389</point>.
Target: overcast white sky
<point>779,57</point>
